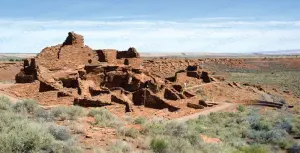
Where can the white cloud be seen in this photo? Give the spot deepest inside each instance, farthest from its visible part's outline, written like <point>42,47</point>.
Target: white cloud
<point>220,35</point>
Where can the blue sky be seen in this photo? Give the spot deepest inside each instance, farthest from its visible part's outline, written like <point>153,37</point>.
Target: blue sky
<point>152,26</point>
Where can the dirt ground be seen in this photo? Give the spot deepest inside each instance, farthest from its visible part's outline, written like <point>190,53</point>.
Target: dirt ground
<point>238,86</point>
<point>8,71</point>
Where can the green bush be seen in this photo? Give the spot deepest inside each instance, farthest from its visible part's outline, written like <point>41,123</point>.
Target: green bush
<point>159,145</point>
<point>153,128</point>
<point>24,136</point>
<point>241,108</point>
<point>68,112</point>
<point>43,115</point>
<point>21,132</point>
<point>177,129</point>
<point>140,120</point>
<point>121,147</point>
<point>99,111</point>
<point>104,118</point>
<point>180,145</point>
<point>128,132</point>
<point>25,106</point>
<point>194,139</point>
<point>64,147</point>
<point>5,103</point>
<point>254,149</point>
<point>59,132</point>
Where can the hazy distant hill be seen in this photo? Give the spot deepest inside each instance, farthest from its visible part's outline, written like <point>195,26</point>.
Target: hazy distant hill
<point>280,52</point>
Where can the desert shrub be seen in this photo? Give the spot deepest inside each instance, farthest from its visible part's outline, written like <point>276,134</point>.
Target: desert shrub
<point>140,120</point>
<point>43,115</point>
<point>254,149</point>
<point>64,147</point>
<point>60,112</point>
<point>68,112</point>
<point>128,119</point>
<point>77,128</point>
<point>98,150</point>
<point>180,145</point>
<point>294,149</point>
<point>59,132</point>
<point>241,108</point>
<point>21,132</point>
<point>24,136</point>
<point>159,145</point>
<point>121,147</point>
<point>76,111</point>
<point>177,129</point>
<point>128,132</point>
<point>194,139</point>
<point>104,118</point>
<point>261,125</point>
<point>99,111</point>
<point>5,103</point>
<point>154,127</point>
<point>240,129</point>
<point>25,106</point>
<point>106,121</point>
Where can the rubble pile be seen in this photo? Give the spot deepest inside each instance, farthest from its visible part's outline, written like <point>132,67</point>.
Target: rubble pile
<point>95,78</point>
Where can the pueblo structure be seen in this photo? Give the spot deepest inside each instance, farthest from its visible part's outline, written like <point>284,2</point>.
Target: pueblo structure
<point>94,78</point>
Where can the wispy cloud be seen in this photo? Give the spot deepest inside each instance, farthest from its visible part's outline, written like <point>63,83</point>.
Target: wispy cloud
<point>219,34</point>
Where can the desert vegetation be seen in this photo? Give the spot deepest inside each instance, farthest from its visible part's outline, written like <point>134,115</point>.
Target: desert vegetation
<point>247,130</point>
<point>26,127</point>
<point>10,59</point>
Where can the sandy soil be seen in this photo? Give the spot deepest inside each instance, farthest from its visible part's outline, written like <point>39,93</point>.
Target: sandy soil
<point>8,70</point>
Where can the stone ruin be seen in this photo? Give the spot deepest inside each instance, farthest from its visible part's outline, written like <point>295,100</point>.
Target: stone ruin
<point>95,78</point>
<point>192,71</point>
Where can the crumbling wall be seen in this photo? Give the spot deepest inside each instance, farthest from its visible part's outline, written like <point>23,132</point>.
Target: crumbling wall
<point>74,39</point>
<point>171,95</point>
<point>148,99</point>
<point>28,73</point>
<point>111,56</point>
<point>72,53</point>
<point>192,72</point>
<point>130,53</point>
<point>107,55</point>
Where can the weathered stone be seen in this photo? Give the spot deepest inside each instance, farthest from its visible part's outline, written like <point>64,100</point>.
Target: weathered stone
<point>193,74</point>
<point>178,87</point>
<point>90,102</point>
<point>205,77</point>
<point>203,103</point>
<point>74,39</point>
<point>192,68</point>
<point>188,95</point>
<point>171,95</point>
<point>21,77</point>
<point>195,106</point>
<point>124,100</point>
<point>146,98</point>
<point>130,53</point>
<point>72,53</point>
<point>107,55</point>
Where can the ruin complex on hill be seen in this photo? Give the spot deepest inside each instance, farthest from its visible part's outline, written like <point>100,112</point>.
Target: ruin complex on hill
<point>105,77</point>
